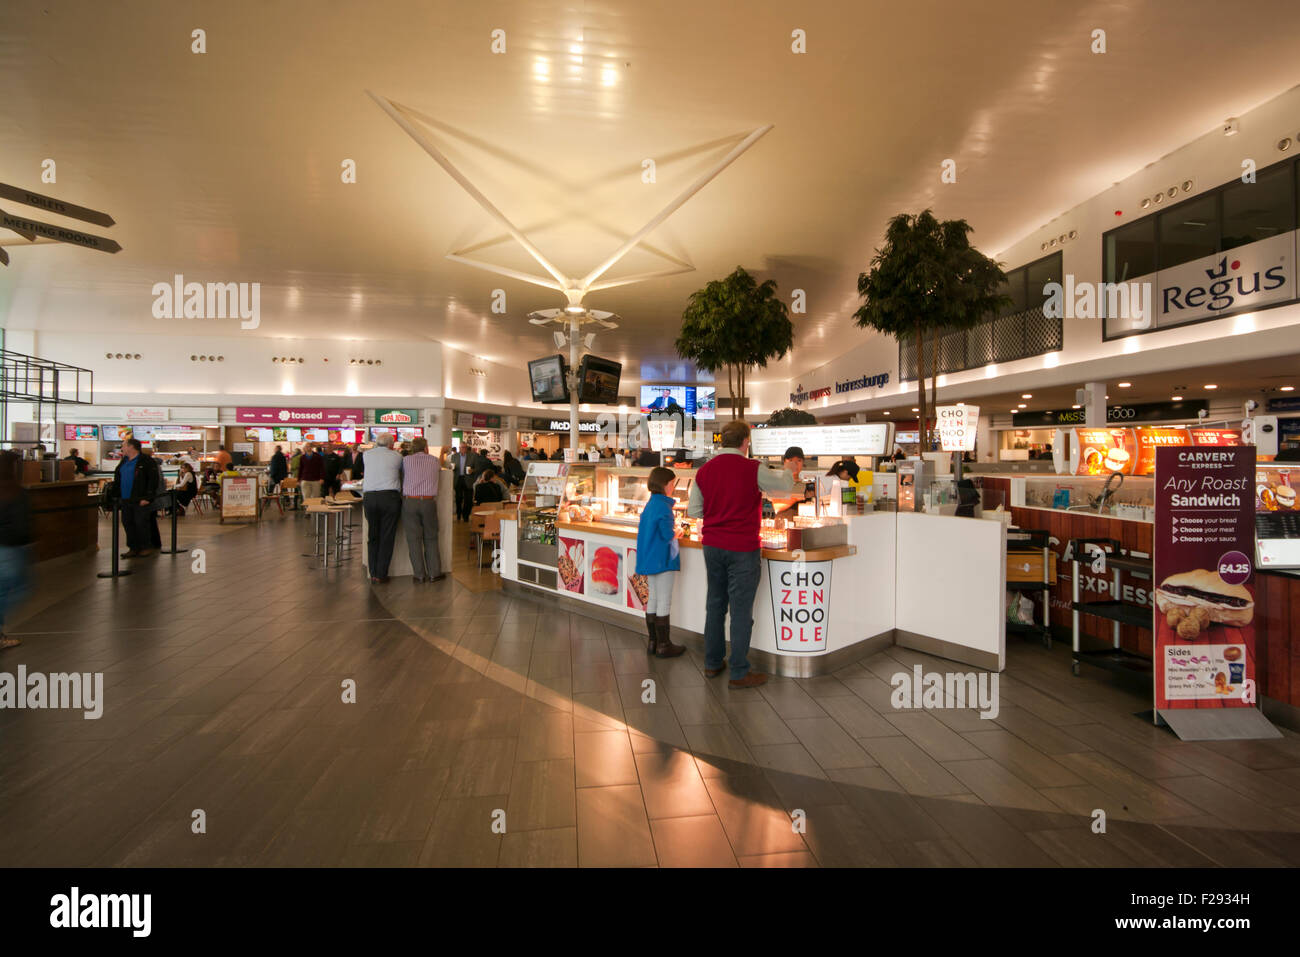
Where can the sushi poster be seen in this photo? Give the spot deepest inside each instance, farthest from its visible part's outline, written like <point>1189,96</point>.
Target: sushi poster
<point>605,577</point>
<point>638,587</point>
<point>572,565</point>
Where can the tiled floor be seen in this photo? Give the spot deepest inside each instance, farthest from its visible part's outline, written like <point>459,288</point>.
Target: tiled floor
<point>488,731</point>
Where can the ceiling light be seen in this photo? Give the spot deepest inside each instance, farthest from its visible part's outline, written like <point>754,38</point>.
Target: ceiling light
<point>1125,385</point>
<point>1025,395</point>
<point>886,413</point>
<point>575,310</point>
<point>1288,388</point>
<point>1211,386</point>
<point>608,76</point>
<point>1146,203</point>
<point>1175,398</point>
<point>1023,406</point>
<point>1076,407</point>
<point>914,409</point>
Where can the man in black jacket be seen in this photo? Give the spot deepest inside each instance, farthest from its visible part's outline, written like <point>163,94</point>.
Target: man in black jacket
<point>279,469</point>
<point>139,481</point>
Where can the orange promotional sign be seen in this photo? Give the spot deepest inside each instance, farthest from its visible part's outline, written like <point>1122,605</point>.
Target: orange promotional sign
<point>1216,436</point>
<point>1150,439</point>
<point>1102,451</point>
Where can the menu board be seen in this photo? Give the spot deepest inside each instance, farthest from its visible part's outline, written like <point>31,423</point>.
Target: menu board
<point>871,439</point>
<point>80,433</point>
<point>315,435</point>
<point>1204,575</point>
<point>400,433</point>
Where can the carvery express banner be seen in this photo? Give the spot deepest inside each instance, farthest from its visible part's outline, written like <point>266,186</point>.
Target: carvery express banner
<point>1204,567</point>
<point>1133,451</point>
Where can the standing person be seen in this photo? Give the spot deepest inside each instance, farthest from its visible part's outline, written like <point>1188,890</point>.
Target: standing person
<point>420,512</point>
<point>311,472</point>
<point>295,461</point>
<point>382,504</point>
<point>79,465</point>
<point>658,558</point>
<point>464,494</point>
<point>792,461</point>
<point>850,462</point>
<point>278,470</point>
<point>15,536</point>
<point>333,473</point>
<point>347,461</point>
<point>223,458</point>
<point>728,495</point>
<point>138,481</point>
<point>358,466</point>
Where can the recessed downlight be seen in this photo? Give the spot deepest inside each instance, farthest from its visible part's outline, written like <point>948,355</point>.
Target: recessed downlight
<point>1211,386</point>
<point>1025,395</point>
<point>1175,398</point>
<point>1076,407</point>
<point>1022,405</point>
<point>915,409</point>
<point>1125,385</point>
<point>1288,388</point>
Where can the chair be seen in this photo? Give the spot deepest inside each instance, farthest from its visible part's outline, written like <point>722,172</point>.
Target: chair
<point>491,532</point>
<point>477,524</point>
<point>289,486</point>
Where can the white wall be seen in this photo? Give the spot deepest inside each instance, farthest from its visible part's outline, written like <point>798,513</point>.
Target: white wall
<point>1209,162</point>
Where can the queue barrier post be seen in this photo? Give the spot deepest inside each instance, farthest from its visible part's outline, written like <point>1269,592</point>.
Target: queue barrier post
<point>175,508</point>
<point>116,571</point>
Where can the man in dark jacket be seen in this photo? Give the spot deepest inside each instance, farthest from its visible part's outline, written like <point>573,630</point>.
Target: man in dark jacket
<point>279,469</point>
<point>139,481</point>
<point>80,465</point>
<point>333,473</point>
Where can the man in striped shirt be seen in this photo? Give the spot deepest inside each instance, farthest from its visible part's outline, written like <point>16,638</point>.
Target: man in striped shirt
<point>420,512</point>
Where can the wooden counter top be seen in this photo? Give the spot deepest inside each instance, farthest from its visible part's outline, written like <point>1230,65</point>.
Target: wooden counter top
<point>775,554</point>
<point>37,486</point>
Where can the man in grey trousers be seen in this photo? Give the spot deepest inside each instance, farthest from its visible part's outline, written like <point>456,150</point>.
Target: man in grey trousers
<point>420,472</point>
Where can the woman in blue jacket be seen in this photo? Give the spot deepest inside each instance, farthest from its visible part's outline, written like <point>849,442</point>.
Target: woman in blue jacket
<point>659,559</point>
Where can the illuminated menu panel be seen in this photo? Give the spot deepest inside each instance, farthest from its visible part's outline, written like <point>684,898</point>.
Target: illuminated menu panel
<point>870,439</point>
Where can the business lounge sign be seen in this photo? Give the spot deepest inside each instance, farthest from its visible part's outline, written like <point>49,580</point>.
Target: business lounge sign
<point>877,381</point>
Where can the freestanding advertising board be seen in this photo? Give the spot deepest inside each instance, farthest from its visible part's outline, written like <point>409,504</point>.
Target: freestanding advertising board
<point>1204,577</point>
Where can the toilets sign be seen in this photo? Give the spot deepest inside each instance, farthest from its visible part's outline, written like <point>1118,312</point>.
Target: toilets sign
<point>801,593</point>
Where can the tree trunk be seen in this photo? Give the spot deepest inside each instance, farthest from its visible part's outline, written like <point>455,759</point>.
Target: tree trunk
<point>920,386</point>
<point>731,388</point>
<point>934,378</point>
<point>740,400</point>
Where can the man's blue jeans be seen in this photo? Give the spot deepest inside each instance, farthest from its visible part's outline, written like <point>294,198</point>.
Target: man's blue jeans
<point>733,582</point>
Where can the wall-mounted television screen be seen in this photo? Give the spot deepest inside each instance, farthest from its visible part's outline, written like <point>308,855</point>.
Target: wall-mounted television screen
<point>80,433</point>
<point>547,376</point>
<point>598,380</point>
<point>698,401</point>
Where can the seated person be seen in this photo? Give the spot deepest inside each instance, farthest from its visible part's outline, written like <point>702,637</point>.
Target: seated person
<point>490,488</point>
<point>186,487</point>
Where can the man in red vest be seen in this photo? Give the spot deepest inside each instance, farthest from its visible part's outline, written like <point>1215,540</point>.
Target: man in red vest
<point>727,494</point>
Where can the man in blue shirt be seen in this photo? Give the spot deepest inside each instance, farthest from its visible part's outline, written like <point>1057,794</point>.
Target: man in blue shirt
<point>139,481</point>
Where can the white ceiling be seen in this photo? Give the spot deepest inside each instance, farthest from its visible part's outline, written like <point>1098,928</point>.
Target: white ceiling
<point>225,166</point>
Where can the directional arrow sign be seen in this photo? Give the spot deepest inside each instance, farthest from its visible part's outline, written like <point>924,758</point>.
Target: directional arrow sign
<point>30,228</point>
<point>4,256</point>
<point>28,198</point>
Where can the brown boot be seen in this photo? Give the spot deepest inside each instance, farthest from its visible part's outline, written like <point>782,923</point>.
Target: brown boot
<point>751,680</point>
<point>651,630</point>
<point>665,648</point>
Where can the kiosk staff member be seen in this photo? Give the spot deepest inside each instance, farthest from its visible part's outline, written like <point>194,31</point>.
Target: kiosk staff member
<point>792,462</point>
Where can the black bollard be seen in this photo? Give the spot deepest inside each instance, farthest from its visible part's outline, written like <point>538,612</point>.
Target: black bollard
<point>116,572</point>
<point>173,550</point>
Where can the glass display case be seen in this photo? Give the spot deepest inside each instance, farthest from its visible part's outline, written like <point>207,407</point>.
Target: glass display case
<point>621,493</point>
<point>547,487</point>
<point>1120,496</point>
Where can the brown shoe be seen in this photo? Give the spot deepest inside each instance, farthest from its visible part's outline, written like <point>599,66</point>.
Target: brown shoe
<point>437,578</point>
<point>751,680</point>
<point>664,647</point>
<point>714,672</point>
<point>147,553</point>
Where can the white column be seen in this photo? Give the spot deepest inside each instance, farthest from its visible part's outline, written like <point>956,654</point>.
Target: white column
<point>1095,405</point>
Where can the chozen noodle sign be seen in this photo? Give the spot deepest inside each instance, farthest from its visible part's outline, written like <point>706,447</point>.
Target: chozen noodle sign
<point>957,427</point>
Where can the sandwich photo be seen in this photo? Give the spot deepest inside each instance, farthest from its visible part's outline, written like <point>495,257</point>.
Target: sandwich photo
<point>1203,588</point>
<point>1284,496</point>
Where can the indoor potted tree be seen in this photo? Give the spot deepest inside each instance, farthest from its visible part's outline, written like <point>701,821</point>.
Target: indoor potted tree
<point>738,323</point>
<point>924,279</point>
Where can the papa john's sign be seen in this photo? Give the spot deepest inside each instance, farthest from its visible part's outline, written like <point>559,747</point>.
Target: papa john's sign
<point>801,602</point>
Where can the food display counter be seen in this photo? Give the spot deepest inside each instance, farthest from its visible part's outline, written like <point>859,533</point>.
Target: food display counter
<point>816,608</point>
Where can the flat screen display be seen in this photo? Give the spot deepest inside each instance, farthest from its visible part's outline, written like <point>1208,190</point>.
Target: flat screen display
<point>400,433</point>
<point>80,433</point>
<point>315,435</point>
<point>699,401</point>
<point>286,435</point>
<point>598,380</point>
<point>256,434</point>
<point>547,377</point>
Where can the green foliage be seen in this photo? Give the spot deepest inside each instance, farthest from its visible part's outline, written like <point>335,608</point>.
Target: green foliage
<point>926,278</point>
<point>735,323</point>
<point>790,416</point>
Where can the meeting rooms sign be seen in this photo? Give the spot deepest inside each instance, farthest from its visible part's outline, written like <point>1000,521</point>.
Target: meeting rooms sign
<point>1247,277</point>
